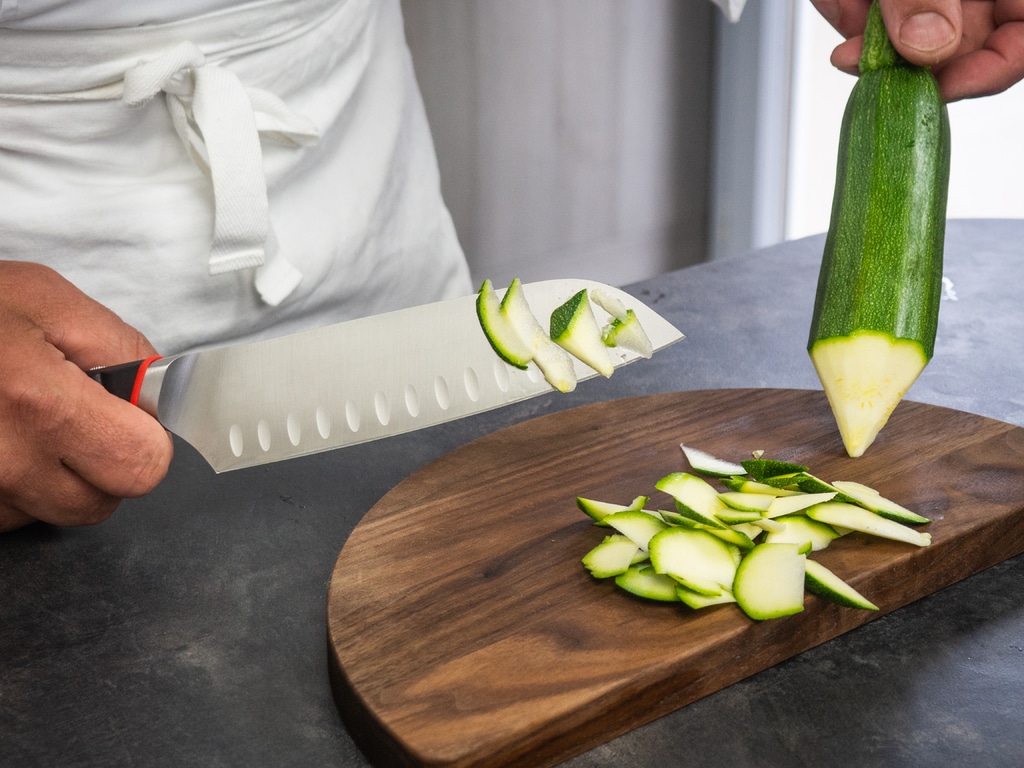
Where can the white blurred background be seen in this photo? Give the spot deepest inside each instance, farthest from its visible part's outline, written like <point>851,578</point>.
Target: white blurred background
<point>987,165</point>
<point>618,139</point>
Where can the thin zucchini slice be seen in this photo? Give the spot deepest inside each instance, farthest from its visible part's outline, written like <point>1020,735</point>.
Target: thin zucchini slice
<point>554,362</point>
<point>599,510</point>
<point>639,526</point>
<point>612,557</point>
<point>643,581</point>
<point>696,559</point>
<point>799,529</point>
<point>770,581</point>
<point>574,328</point>
<point>821,581</point>
<point>500,332</point>
<point>837,513</point>
<point>871,499</point>
<point>704,463</point>
<point>694,497</point>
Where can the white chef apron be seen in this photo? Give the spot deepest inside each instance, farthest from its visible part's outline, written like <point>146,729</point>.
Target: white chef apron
<point>239,174</point>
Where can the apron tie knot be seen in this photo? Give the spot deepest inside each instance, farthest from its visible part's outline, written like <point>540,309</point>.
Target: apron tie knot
<point>220,120</point>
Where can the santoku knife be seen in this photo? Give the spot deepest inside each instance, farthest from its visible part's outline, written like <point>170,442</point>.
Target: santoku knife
<point>255,403</point>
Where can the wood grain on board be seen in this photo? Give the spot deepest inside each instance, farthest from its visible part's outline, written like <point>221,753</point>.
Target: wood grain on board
<point>463,629</point>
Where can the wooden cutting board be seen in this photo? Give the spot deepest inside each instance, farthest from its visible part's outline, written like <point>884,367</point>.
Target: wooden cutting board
<point>463,629</point>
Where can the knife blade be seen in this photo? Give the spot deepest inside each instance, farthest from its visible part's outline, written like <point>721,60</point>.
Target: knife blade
<point>255,403</point>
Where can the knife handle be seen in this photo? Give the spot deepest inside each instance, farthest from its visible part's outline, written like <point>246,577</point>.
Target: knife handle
<point>124,380</point>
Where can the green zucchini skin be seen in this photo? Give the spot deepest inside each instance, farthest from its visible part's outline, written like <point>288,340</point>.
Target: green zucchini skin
<point>882,264</point>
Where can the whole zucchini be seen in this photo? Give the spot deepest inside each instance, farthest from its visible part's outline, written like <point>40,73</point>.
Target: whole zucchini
<point>877,303</point>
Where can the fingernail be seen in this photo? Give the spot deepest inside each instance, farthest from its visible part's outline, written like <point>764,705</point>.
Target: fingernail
<point>927,31</point>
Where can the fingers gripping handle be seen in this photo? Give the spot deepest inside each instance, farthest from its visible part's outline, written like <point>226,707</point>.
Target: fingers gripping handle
<point>125,380</point>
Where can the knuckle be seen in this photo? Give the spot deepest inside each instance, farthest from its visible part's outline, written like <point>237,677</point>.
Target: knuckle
<point>41,420</point>
<point>41,412</point>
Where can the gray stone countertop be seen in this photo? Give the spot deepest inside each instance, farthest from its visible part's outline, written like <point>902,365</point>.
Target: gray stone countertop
<point>190,628</point>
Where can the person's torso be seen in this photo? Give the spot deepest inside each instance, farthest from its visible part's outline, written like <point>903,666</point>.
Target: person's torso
<point>105,191</point>
<point>103,14</point>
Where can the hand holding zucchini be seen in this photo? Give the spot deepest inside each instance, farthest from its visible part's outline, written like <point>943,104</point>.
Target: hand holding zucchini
<point>877,303</point>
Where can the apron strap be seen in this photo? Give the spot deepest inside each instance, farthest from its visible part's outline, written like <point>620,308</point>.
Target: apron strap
<point>219,120</point>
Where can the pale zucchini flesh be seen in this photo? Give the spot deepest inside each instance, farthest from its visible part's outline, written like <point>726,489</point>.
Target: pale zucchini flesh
<point>770,581</point>
<point>855,518</point>
<point>871,499</point>
<point>554,362</point>
<point>746,485</point>
<point>624,330</point>
<point>696,559</point>
<point>599,510</point>
<point>643,581</point>
<point>612,557</point>
<point>698,601</point>
<point>743,501</point>
<point>629,334</point>
<point>787,505</point>
<point>801,530</point>
<point>706,464</point>
<point>694,497</point>
<point>574,328</point>
<point>759,563</point>
<point>639,526</point>
<point>865,376</point>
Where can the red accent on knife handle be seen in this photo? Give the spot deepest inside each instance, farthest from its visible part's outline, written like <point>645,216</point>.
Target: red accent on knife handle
<point>124,380</point>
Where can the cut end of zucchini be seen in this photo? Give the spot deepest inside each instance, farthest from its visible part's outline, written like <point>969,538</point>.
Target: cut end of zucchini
<point>865,376</point>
